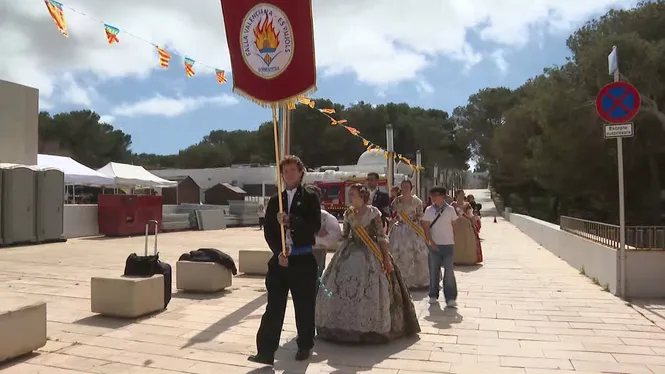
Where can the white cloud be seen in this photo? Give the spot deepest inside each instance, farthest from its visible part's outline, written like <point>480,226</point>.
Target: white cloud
<point>423,87</point>
<point>106,118</point>
<point>499,57</point>
<point>75,93</point>
<point>159,105</point>
<point>382,42</point>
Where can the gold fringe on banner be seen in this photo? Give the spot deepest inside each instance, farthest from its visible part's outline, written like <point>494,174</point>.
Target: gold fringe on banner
<point>266,104</point>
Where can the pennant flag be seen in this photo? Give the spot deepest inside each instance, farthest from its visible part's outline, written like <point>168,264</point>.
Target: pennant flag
<point>189,67</point>
<point>328,111</point>
<point>365,142</point>
<point>56,12</point>
<point>333,122</point>
<point>304,100</point>
<point>164,58</point>
<point>271,45</point>
<point>221,76</point>
<point>111,33</point>
<point>353,130</point>
<point>343,121</point>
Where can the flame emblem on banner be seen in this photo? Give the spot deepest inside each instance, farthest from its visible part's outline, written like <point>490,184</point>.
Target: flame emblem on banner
<point>266,39</point>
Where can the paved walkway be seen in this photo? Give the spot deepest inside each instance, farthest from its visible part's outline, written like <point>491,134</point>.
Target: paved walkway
<point>525,311</point>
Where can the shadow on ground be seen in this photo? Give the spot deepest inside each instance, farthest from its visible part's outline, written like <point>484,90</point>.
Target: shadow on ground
<point>227,322</point>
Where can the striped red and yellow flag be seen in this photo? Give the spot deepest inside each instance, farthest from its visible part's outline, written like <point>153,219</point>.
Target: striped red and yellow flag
<point>58,15</point>
<point>111,33</point>
<point>164,58</point>
<point>189,67</point>
<point>327,111</point>
<point>352,130</point>
<point>221,76</point>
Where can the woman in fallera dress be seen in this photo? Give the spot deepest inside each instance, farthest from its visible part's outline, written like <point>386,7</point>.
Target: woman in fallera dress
<point>467,242</point>
<point>407,245</point>
<point>365,299</point>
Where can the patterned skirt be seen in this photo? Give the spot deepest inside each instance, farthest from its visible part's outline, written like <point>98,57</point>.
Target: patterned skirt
<point>363,304</point>
<point>410,254</point>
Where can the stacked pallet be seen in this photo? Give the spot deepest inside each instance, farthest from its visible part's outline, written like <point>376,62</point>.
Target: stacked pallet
<point>176,222</point>
<point>243,213</point>
<point>187,217</point>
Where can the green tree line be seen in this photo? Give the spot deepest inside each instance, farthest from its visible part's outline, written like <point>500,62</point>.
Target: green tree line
<point>542,142</point>
<point>79,134</point>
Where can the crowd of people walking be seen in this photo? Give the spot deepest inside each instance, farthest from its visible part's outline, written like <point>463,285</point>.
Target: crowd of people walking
<point>390,243</point>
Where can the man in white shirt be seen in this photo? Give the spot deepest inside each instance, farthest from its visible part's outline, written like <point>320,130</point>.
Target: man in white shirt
<point>329,235</point>
<point>437,224</point>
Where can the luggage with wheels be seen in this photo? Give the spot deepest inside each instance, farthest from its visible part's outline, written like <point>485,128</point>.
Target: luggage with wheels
<point>149,265</point>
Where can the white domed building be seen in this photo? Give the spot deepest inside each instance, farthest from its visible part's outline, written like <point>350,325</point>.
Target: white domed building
<point>375,161</point>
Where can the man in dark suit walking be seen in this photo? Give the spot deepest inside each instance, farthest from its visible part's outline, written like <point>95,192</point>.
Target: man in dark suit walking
<point>297,270</point>
<point>379,199</point>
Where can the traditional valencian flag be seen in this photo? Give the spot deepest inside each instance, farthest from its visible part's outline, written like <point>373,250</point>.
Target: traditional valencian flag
<point>271,43</point>
<point>221,76</point>
<point>164,58</point>
<point>56,12</point>
<point>111,33</point>
<point>189,67</point>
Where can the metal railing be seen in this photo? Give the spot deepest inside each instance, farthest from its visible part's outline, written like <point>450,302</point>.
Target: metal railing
<point>637,237</point>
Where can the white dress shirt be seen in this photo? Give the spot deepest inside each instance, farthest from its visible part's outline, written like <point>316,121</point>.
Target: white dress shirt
<point>331,225</point>
<point>289,194</point>
<point>371,195</point>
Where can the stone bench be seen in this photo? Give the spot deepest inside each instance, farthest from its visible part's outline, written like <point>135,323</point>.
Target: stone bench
<point>196,276</point>
<point>127,297</point>
<point>254,261</point>
<point>22,328</point>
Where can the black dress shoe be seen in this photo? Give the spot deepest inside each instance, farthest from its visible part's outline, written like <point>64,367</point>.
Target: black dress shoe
<point>261,360</point>
<point>303,354</point>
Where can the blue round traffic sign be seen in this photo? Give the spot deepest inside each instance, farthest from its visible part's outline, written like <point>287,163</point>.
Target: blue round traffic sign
<point>618,102</point>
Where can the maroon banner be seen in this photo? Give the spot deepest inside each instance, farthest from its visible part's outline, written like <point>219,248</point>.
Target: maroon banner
<point>271,43</point>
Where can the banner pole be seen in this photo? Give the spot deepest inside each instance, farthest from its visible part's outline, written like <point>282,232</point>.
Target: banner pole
<point>279,174</point>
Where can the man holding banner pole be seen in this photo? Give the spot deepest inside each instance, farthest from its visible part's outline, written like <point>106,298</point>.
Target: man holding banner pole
<point>271,46</point>
<point>294,270</point>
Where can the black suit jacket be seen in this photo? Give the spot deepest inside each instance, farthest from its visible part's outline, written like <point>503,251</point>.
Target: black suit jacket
<point>382,201</point>
<point>304,219</point>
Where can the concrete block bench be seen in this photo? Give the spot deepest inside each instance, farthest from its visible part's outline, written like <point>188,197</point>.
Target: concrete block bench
<point>196,276</point>
<point>127,297</point>
<point>254,261</point>
<point>22,328</point>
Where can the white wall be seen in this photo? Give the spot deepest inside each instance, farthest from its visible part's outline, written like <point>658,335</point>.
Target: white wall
<point>19,108</point>
<point>80,220</point>
<point>646,274</point>
<point>645,270</point>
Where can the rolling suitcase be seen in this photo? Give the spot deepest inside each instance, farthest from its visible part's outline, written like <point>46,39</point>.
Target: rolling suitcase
<point>149,265</point>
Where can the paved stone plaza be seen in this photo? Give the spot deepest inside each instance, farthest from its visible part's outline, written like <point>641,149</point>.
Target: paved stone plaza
<point>525,311</point>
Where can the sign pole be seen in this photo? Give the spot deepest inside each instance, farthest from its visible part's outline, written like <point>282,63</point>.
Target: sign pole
<point>622,203</point>
<point>390,148</point>
<point>418,163</point>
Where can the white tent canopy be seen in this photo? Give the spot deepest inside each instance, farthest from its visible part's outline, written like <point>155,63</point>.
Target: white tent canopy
<point>132,175</point>
<point>75,173</point>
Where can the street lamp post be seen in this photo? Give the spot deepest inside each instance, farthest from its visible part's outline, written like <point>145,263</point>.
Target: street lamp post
<point>390,148</point>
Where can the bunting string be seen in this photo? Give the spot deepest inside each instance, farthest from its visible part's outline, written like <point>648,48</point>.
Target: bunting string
<point>371,146</point>
<point>57,12</point>
<point>113,36</point>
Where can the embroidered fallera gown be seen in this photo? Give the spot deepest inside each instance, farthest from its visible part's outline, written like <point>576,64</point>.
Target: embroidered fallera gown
<point>407,246</point>
<point>360,303</point>
<point>468,250</point>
